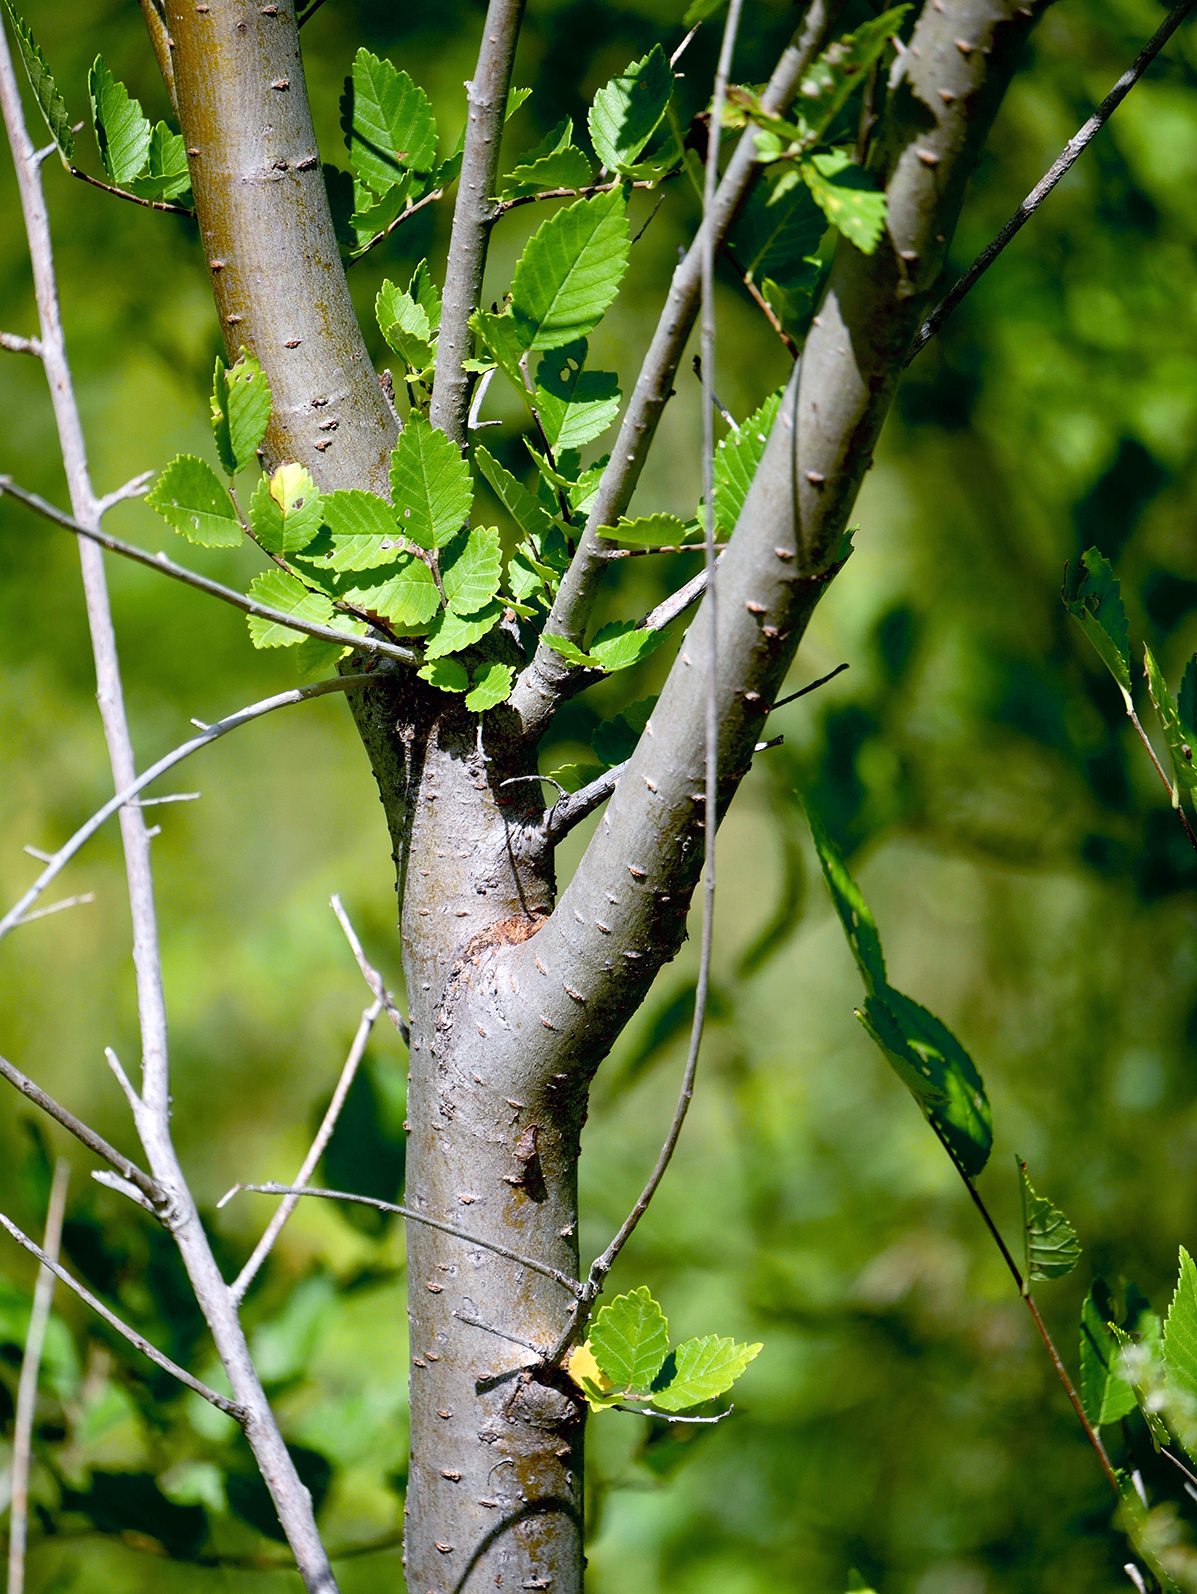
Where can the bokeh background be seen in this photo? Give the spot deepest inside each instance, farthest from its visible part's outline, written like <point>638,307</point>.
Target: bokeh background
<point>1031,886</point>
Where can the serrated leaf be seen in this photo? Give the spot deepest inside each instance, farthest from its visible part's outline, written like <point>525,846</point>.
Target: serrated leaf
<point>649,531</point>
<point>615,739</point>
<point>471,566</point>
<point>447,674</point>
<point>777,234</point>
<point>491,686</point>
<point>388,123</point>
<point>278,590</point>
<point>371,217</point>
<point>1106,1392</point>
<point>591,1379</point>
<point>1050,1246</point>
<point>575,405</point>
<point>569,651</point>
<point>166,175</point>
<point>570,271</point>
<point>240,411</point>
<point>405,326</point>
<point>580,490</point>
<point>622,643</point>
<point>554,163</point>
<point>122,131</point>
<point>192,498</point>
<point>854,914</point>
<point>629,1339</point>
<point>1186,699</point>
<point>1176,738</point>
<point>574,776</point>
<point>529,516</point>
<point>45,90</point>
<point>702,1369</point>
<point>500,337</point>
<point>1093,597</point>
<point>284,512</point>
<point>430,485</point>
<point>363,530</point>
<point>451,633</point>
<point>1180,1329</point>
<point>515,98</point>
<point>628,111</point>
<point>847,196</point>
<point>736,461</point>
<point>426,294</point>
<point>840,68</point>
<point>404,594</point>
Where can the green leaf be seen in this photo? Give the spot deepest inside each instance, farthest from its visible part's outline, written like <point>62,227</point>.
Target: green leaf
<point>532,519</point>
<point>628,111</point>
<point>516,98</point>
<point>629,1339</point>
<point>777,234</point>
<point>736,461</point>
<point>570,271</point>
<point>369,217</point>
<point>1180,1329</point>
<point>284,512</point>
<point>847,196</point>
<point>574,776</point>
<point>1186,699</point>
<point>451,633</point>
<point>1050,1246</point>
<point>405,326</point>
<point>166,175</point>
<point>580,490</point>
<point>575,406</point>
<point>364,531</point>
<point>554,163</point>
<point>191,497</point>
<point>502,338</point>
<point>615,739</point>
<point>1106,1392</point>
<point>45,90</point>
<point>650,531</point>
<point>569,651</point>
<point>832,78</point>
<point>404,594</point>
<point>426,294</point>
<point>240,411</point>
<point>621,644</point>
<point>447,674</point>
<point>701,11</point>
<point>491,686</point>
<point>1176,738</point>
<point>430,485</point>
<point>702,1369</point>
<point>388,123</point>
<point>122,132</point>
<point>278,590</point>
<point>1094,599</point>
<point>859,925</point>
<point>470,569</point>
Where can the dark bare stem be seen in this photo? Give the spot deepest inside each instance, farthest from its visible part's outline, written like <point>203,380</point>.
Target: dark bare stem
<point>372,977</point>
<point>22,1440</point>
<point>134,199</point>
<point>813,687</point>
<point>94,1142</point>
<point>113,1321</point>
<point>323,1135</point>
<point>504,205</point>
<point>122,801</point>
<point>1071,152</point>
<point>474,214</point>
<point>405,215</point>
<point>167,567</point>
<point>306,16</point>
<point>767,309</point>
<point>572,1285</point>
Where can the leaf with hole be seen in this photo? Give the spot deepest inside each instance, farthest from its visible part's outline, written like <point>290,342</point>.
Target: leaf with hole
<point>847,196</point>
<point>430,485</point>
<point>471,566</point>
<point>278,590</point>
<point>451,633</point>
<point>284,512</point>
<point>700,1369</point>
<point>363,529</point>
<point>388,123</point>
<point>629,110</point>
<point>1050,1246</point>
<point>1093,597</point>
<point>122,131</point>
<point>45,90</point>
<point>192,498</point>
<point>491,685</point>
<point>629,1339</point>
<point>570,270</point>
<point>240,411</point>
<point>1176,737</point>
<point>575,405</point>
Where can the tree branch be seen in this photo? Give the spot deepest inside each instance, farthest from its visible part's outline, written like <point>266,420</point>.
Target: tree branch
<point>372,977</point>
<point>1067,158</point>
<point>122,801</point>
<point>135,1339</point>
<point>155,22</point>
<point>134,199</point>
<point>473,214</point>
<point>572,807</point>
<point>238,600</point>
<point>274,1228</point>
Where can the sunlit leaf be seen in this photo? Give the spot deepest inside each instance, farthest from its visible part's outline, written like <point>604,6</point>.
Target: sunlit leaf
<point>628,111</point>
<point>404,594</point>
<point>1050,1246</point>
<point>122,132</point>
<point>192,498</point>
<point>736,461</point>
<point>240,411</point>
<point>1180,1329</point>
<point>623,643</point>
<point>570,271</point>
<point>447,674</point>
<point>701,1369</point>
<point>554,163</point>
<point>1106,1392</point>
<point>575,405</point>
<point>847,196</point>
<point>833,76</point>
<point>284,512</point>
<point>430,485</point>
<point>529,516</point>
<point>388,123</point>
<point>45,90</point>
<point>166,175</point>
<point>364,532</point>
<point>650,531</point>
<point>1176,737</point>
<point>629,1339</point>
<point>470,569</point>
<point>278,590</point>
<point>405,326</point>
<point>451,633</point>
<point>492,683</point>
<point>591,1379</point>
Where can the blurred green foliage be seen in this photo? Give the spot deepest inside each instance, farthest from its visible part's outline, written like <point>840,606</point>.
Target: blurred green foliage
<point>974,765</point>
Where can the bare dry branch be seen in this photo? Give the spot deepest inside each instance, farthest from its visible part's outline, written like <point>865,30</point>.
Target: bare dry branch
<point>372,977</point>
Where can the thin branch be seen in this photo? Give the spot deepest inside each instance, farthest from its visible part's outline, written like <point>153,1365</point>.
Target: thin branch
<point>570,809</point>
<point>113,1321</point>
<point>665,1416</point>
<point>94,1142</point>
<point>57,907</point>
<point>299,694</point>
<point>134,199</point>
<point>155,21</point>
<point>404,215</point>
<point>16,345</point>
<point>323,1135</point>
<point>665,547</point>
<point>372,977</point>
<point>1173,794</point>
<point>35,1338</point>
<point>1071,152</point>
<point>572,1285</point>
<point>813,687</point>
<point>504,205</point>
<point>763,304</point>
<point>473,213</point>
<point>499,1333</point>
<point>135,488</point>
<point>675,604</point>
<point>167,567</point>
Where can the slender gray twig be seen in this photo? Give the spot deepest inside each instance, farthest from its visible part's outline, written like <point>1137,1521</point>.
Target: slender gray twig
<point>57,907</point>
<point>1071,152</point>
<point>666,1416</point>
<point>31,1360</point>
<point>571,808</point>
<point>135,1339</point>
<point>211,733</point>
<point>323,1135</point>
<point>372,977</point>
<point>167,567</point>
<point>572,1285</point>
<point>676,603</point>
<point>16,345</point>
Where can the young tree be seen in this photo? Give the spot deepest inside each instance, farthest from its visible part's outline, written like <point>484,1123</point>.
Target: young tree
<point>454,669</point>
